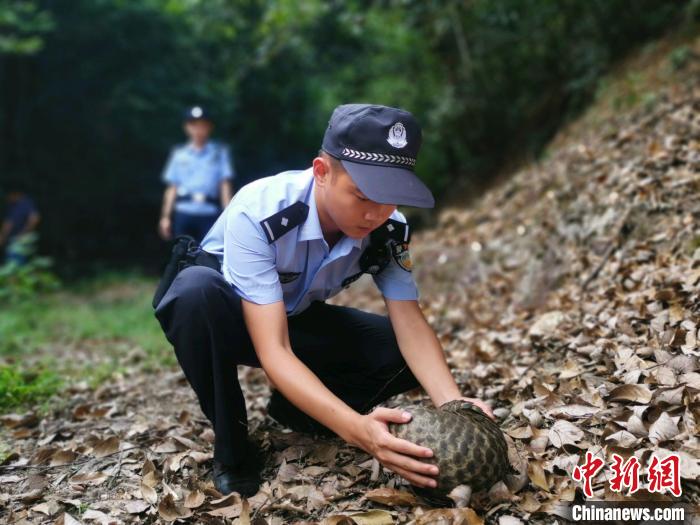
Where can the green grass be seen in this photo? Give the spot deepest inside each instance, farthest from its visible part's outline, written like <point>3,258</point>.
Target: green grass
<point>20,387</point>
<point>86,332</point>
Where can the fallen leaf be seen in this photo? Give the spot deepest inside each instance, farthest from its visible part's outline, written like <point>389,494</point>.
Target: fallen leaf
<point>564,433</point>
<point>148,491</point>
<point>547,324</point>
<point>66,519</point>
<point>536,474</point>
<point>232,511</point>
<point>90,478</point>
<point>194,499</point>
<point>465,516</point>
<point>287,472</point>
<point>391,497</point>
<point>623,439</point>
<point>524,432</point>
<point>572,411</point>
<point>170,511</point>
<point>107,447</point>
<point>19,420</point>
<point>62,457</point>
<point>634,393</point>
<point>373,517</point>
<point>49,508</point>
<point>663,429</point>
<point>96,515</point>
<point>137,506</point>
<point>509,520</point>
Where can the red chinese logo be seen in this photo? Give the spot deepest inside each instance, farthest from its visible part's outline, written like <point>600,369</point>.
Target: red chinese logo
<point>587,472</point>
<point>625,474</point>
<point>663,474</point>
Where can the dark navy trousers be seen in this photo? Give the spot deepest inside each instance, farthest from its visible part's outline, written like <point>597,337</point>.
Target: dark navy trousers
<point>354,353</point>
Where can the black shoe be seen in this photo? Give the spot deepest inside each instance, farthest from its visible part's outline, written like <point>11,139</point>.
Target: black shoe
<point>286,414</point>
<point>243,478</point>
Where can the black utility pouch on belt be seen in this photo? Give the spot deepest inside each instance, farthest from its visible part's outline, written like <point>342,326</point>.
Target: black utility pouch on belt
<point>186,252</point>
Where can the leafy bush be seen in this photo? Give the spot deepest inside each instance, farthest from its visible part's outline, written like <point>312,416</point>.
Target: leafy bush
<point>19,281</point>
<point>679,57</point>
<point>490,80</point>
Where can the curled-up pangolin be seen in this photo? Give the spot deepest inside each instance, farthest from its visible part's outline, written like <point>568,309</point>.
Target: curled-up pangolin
<point>468,447</point>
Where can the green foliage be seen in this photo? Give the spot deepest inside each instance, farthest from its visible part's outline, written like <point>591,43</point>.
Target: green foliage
<point>22,24</point>
<point>22,387</point>
<point>92,115</point>
<point>22,281</point>
<point>679,57</point>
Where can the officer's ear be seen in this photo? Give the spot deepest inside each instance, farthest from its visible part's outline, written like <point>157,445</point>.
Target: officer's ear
<point>322,171</point>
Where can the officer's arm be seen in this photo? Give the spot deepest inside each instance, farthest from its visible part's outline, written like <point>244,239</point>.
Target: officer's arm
<point>267,326</point>
<point>168,201</point>
<point>226,192</point>
<point>32,222</point>
<point>5,231</point>
<point>423,353</point>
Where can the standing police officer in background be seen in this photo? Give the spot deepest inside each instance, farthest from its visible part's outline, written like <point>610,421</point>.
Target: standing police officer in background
<point>282,247</point>
<point>17,232</point>
<point>198,177</point>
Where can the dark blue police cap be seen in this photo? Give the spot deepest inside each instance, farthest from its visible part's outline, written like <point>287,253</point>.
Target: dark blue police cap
<point>196,113</point>
<point>378,146</point>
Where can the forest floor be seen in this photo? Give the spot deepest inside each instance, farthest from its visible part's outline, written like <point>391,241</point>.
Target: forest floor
<point>567,297</point>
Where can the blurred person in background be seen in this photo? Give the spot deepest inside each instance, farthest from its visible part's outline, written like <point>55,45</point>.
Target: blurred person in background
<point>198,177</point>
<point>19,225</point>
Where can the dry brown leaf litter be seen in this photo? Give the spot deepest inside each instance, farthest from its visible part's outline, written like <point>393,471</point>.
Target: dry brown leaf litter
<point>568,297</point>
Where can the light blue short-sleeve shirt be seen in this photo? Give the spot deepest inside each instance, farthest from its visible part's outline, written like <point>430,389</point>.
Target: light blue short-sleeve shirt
<point>297,268</point>
<point>198,173</point>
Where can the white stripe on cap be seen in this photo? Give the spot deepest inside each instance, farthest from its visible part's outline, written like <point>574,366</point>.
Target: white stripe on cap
<point>379,157</point>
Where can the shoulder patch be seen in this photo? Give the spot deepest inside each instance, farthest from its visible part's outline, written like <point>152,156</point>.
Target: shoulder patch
<point>402,255</point>
<point>275,226</point>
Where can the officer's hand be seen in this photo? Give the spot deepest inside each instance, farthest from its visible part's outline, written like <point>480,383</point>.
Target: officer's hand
<point>480,404</point>
<point>164,228</point>
<point>396,454</point>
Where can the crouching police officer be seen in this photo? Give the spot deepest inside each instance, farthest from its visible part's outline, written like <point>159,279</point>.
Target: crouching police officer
<point>198,178</point>
<point>284,245</point>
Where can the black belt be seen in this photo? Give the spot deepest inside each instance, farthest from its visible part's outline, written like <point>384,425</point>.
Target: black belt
<point>186,252</point>
<point>197,197</point>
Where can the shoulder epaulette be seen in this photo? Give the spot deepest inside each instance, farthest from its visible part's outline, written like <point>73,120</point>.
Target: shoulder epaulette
<point>395,230</point>
<point>275,226</point>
